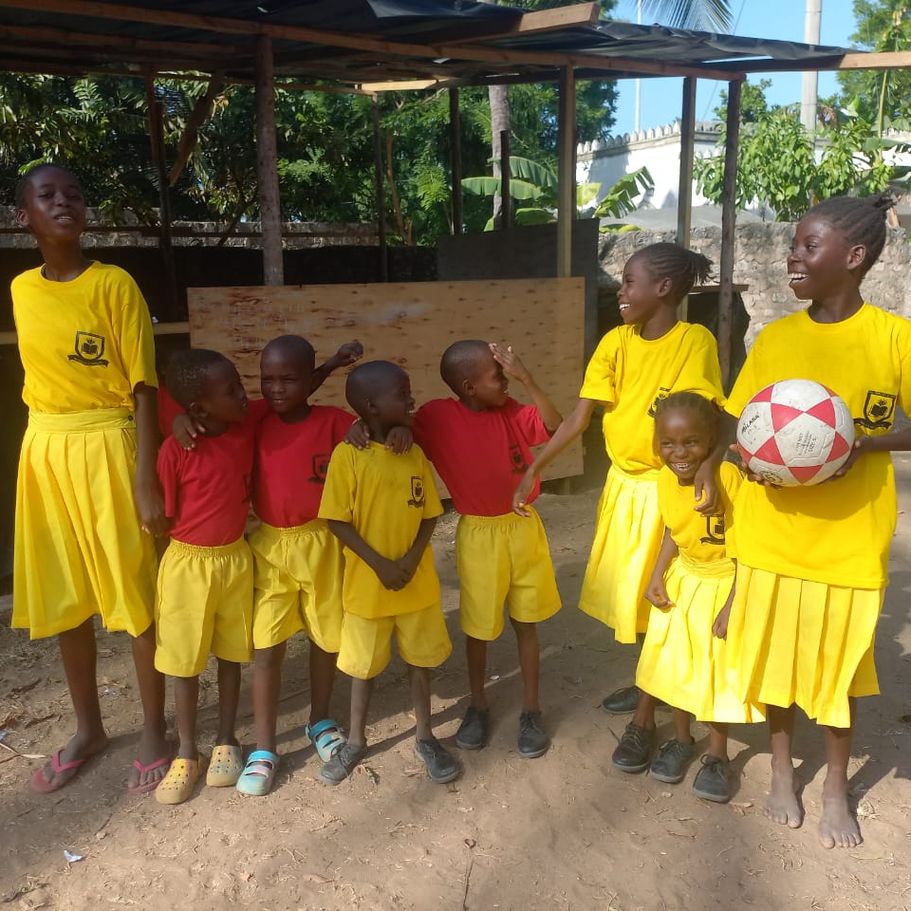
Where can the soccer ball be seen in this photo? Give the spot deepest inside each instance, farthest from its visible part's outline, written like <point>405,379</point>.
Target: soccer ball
<point>795,432</point>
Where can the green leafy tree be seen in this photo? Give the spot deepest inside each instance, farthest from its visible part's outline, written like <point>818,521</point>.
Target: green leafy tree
<point>753,103</point>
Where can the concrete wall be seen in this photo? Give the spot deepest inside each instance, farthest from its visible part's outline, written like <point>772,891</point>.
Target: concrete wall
<point>761,263</point>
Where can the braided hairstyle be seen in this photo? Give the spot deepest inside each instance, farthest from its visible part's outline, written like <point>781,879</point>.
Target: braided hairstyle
<point>705,408</point>
<point>683,267</point>
<point>862,221</point>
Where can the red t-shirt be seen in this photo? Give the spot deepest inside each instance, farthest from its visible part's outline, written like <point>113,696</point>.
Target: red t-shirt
<point>207,489</point>
<point>291,463</point>
<point>480,455</point>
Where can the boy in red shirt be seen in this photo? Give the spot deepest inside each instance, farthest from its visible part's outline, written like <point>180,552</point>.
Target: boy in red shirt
<point>297,561</point>
<point>479,443</point>
<point>205,581</point>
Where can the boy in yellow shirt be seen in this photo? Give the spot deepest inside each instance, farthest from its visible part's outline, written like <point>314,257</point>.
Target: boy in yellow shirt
<point>383,508</point>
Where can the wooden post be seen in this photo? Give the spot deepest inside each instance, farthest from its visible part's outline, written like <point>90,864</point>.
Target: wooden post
<point>455,160</point>
<point>685,185</point>
<point>379,188</point>
<point>156,138</point>
<point>728,237</point>
<point>505,179</point>
<point>566,171</point>
<point>270,212</point>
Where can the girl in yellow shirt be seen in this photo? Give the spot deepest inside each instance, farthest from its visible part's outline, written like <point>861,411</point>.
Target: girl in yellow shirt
<point>87,486</point>
<point>812,560</point>
<point>635,365</point>
<point>691,590</point>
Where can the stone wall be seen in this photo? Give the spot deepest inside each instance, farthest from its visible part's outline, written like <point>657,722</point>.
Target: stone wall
<point>298,235</point>
<point>761,263</point>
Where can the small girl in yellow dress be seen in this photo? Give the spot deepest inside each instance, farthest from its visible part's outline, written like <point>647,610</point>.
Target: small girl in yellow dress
<point>691,590</point>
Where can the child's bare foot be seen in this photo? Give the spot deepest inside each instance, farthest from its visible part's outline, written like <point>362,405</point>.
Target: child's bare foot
<point>68,761</point>
<point>838,827</point>
<point>783,805</point>
<point>153,747</point>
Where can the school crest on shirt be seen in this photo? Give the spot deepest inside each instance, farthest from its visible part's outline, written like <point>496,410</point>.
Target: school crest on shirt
<point>516,459</point>
<point>417,492</point>
<point>879,411</point>
<point>663,393</point>
<point>88,349</point>
<point>319,465</point>
<point>714,531</point>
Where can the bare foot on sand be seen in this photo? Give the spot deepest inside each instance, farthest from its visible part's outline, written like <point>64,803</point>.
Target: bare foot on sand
<point>838,827</point>
<point>783,805</point>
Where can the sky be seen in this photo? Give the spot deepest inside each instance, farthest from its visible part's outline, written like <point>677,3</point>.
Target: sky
<point>782,19</point>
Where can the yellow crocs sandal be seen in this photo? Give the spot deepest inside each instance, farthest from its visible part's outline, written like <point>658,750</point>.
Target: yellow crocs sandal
<point>177,786</point>
<point>225,766</point>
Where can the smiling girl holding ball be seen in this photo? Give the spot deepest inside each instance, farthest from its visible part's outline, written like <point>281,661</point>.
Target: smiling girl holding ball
<point>812,560</point>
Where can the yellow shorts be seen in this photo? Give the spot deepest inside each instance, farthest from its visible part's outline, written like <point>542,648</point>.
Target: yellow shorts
<point>205,604</point>
<point>297,583</point>
<point>421,638</point>
<point>503,558</point>
<point>79,546</point>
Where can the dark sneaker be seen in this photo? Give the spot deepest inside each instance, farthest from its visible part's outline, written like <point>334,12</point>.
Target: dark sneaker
<point>441,766</point>
<point>635,747</point>
<point>712,781</point>
<point>622,701</point>
<point>533,739</point>
<point>474,729</point>
<point>671,761</point>
<point>342,763</point>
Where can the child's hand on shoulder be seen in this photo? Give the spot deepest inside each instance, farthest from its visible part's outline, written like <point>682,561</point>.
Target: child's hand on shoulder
<point>656,594</point>
<point>399,440</point>
<point>705,489</point>
<point>348,354</point>
<point>185,430</point>
<point>510,362</point>
<point>358,435</point>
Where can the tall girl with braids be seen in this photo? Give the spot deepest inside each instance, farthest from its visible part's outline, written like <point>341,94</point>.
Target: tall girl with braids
<point>650,356</point>
<point>812,561</point>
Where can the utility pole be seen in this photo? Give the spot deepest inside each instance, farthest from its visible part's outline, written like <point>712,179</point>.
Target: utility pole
<point>638,109</point>
<point>810,87</point>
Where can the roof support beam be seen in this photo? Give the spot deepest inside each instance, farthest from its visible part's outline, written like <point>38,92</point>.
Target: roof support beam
<point>685,183</point>
<point>267,166</point>
<point>124,12</point>
<point>566,172</point>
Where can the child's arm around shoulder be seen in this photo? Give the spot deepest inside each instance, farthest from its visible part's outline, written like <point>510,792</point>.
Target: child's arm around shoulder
<point>513,367</point>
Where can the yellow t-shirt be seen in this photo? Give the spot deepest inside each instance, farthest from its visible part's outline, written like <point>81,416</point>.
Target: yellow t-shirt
<point>703,539</point>
<point>84,343</point>
<point>837,532</point>
<point>629,374</point>
<point>385,497</point>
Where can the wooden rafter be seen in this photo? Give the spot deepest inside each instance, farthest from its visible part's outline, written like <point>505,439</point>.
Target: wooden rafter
<point>383,48</point>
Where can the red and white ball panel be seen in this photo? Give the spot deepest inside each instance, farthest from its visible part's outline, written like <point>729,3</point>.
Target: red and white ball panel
<point>795,432</point>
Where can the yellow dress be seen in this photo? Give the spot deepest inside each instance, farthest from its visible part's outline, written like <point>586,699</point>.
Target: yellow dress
<point>85,345</point>
<point>628,375</point>
<point>812,561</point>
<point>681,661</point>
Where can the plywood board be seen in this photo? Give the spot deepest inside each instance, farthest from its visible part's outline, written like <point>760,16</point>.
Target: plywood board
<point>411,324</point>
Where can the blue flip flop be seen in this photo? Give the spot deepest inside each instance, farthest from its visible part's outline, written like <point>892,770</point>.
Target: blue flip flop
<point>327,737</point>
<point>258,774</point>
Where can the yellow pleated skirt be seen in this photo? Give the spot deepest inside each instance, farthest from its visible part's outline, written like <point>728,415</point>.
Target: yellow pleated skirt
<point>794,642</point>
<point>628,535</point>
<point>79,548</point>
<point>681,661</point>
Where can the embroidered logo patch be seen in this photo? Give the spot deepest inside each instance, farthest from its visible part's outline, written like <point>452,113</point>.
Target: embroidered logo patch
<point>879,411</point>
<point>319,465</point>
<point>517,459</point>
<point>417,491</point>
<point>663,393</point>
<point>714,530</point>
<point>89,350</point>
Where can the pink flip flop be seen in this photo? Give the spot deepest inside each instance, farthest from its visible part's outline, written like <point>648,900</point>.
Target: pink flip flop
<point>149,786</point>
<point>43,786</point>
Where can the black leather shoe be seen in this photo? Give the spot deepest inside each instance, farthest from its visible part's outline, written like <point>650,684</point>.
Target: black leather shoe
<point>474,729</point>
<point>533,739</point>
<point>622,701</point>
<point>635,747</point>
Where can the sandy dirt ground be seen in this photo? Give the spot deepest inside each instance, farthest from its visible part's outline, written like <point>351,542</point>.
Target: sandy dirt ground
<point>563,831</point>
